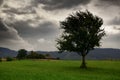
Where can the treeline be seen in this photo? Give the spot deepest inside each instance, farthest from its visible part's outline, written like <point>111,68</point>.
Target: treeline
<point>24,54</point>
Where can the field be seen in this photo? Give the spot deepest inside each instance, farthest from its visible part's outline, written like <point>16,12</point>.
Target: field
<point>59,70</point>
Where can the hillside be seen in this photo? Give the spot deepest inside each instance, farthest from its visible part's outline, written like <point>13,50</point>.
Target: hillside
<point>97,54</point>
<point>5,52</point>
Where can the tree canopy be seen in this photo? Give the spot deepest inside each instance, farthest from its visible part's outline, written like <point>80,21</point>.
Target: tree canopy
<point>22,54</point>
<point>82,32</point>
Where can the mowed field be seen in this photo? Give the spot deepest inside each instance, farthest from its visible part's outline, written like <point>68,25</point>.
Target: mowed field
<point>59,70</point>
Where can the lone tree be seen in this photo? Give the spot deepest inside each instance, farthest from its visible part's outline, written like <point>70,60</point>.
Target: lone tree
<point>22,53</point>
<point>81,33</point>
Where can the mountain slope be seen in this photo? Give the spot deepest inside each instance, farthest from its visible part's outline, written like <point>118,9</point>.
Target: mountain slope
<point>97,54</point>
<point>5,52</point>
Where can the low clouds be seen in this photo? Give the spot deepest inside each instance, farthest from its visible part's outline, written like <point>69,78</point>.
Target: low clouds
<point>111,2</point>
<point>115,21</point>
<point>9,36</point>
<point>20,9</point>
<point>40,37</point>
<point>46,29</point>
<point>7,32</point>
<point>19,4</point>
<point>1,1</point>
<point>61,4</point>
<point>108,3</point>
<point>2,27</point>
<point>34,24</point>
<point>29,26</point>
<point>112,40</point>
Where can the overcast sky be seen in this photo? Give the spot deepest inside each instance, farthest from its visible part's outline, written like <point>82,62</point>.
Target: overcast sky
<point>34,24</point>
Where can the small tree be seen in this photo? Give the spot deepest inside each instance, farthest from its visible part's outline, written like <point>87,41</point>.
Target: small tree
<point>81,33</point>
<point>35,55</point>
<point>32,55</point>
<point>41,56</point>
<point>0,59</point>
<point>22,54</point>
<point>9,58</point>
<point>47,55</point>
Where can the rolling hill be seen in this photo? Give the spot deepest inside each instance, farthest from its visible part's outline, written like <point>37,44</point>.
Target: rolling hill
<point>5,52</point>
<point>97,54</point>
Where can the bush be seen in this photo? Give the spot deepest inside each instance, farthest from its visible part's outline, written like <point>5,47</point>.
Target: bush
<point>22,53</point>
<point>9,59</point>
<point>58,58</point>
<point>34,55</point>
<point>41,56</point>
<point>0,59</point>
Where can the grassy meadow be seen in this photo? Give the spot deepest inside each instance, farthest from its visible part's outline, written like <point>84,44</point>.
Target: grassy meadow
<point>59,70</point>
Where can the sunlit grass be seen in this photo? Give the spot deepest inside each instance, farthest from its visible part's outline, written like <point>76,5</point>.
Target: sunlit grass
<point>59,70</point>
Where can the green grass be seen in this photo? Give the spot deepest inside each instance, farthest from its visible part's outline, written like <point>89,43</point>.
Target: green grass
<point>59,70</point>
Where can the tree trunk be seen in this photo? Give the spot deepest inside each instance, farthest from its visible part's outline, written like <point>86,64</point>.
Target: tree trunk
<point>83,65</point>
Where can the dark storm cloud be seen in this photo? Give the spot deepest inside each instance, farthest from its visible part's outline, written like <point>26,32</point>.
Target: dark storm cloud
<point>25,10</point>
<point>115,21</point>
<point>10,38</point>
<point>46,29</point>
<point>111,2</point>
<point>60,4</point>
<point>108,3</point>
<point>19,11</point>
<point>112,41</point>
<point>32,22</point>
<point>1,1</point>
<point>7,33</point>
<point>2,27</point>
<point>113,38</point>
<point>117,28</point>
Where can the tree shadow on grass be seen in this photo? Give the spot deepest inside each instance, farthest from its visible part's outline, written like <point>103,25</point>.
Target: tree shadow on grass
<point>94,70</point>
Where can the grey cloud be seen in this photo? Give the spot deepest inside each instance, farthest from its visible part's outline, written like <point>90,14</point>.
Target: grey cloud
<point>1,1</point>
<point>115,21</point>
<point>9,38</point>
<point>25,10</point>
<point>114,38</point>
<point>112,41</point>
<point>2,27</point>
<point>13,14</point>
<point>60,4</point>
<point>117,28</point>
<point>107,3</point>
<point>7,33</point>
<point>46,29</point>
<point>19,20</point>
<point>111,2</point>
<point>19,11</point>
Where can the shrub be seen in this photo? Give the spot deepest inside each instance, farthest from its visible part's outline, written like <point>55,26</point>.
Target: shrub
<point>58,58</point>
<point>22,53</point>
<point>0,59</point>
<point>34,55</point>
<point>9,59</point>
<point>41,56</point>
